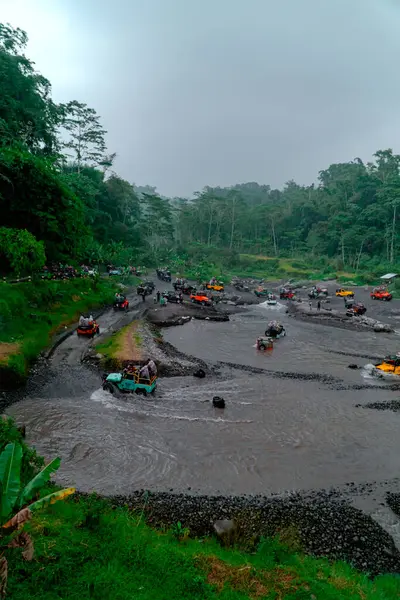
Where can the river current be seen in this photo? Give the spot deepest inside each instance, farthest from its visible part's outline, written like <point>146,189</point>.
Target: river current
<point>276,433</point>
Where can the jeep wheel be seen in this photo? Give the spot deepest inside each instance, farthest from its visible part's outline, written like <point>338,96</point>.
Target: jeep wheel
<point>108,387</point>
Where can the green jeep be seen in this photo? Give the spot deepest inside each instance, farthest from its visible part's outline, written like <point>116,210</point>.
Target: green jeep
<point>129,383</point>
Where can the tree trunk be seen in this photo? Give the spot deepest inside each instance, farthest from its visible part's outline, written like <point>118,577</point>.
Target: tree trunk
<point>209,228</point>
<point>343,248</point>
<point>274,236</point>
<point>359,255</point>
<point>232,225</point>
<point>393,232</point>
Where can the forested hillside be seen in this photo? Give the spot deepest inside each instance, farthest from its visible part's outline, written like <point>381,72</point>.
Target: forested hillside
<point>61,200</point>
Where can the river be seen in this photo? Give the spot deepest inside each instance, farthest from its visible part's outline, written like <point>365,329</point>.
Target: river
<point>276,433</point>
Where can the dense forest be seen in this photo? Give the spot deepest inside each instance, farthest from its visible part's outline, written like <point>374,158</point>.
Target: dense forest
<point>61,200</point>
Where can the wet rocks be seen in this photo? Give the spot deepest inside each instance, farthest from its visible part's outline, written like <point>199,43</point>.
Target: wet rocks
<point>393,501</point>
<point>336,318</point>
<point>226,531</point>
<point>393,405</point>
<point>200,373</point>
<point>325,526</point>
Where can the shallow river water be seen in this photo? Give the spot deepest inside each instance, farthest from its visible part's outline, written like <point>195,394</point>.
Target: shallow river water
<point>275,434</point>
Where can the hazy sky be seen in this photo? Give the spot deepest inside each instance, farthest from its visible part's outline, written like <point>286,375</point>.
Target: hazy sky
<point>218,92</point>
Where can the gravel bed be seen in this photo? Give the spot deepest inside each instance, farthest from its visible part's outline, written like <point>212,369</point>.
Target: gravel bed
<point>324,525</point>
<point>393,405</point>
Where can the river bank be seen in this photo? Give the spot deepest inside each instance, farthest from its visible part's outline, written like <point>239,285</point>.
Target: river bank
<point>34,313</point>
<point>90,548</point>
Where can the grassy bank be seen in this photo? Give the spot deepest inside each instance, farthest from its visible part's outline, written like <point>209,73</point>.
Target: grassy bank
<point>203,262</point>
<point>31,313</point>
<point>123,345</point>
<point>86,547</point>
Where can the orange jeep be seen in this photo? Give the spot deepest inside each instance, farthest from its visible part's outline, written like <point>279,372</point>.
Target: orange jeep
<point>200,298</point>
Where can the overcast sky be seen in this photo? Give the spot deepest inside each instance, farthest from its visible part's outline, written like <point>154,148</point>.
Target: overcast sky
<point>218,92</point>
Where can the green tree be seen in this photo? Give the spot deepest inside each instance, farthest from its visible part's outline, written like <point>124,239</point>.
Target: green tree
<point>34,197</point>
<point>86,135</point>
<point>27,112</point>
<point>20,251</point>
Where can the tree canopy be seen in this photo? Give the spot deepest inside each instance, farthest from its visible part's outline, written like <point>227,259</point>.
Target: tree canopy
<point>58,185</point>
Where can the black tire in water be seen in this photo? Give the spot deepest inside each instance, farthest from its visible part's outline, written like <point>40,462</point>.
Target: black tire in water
<point>108,387</point>
<point>218,402</point>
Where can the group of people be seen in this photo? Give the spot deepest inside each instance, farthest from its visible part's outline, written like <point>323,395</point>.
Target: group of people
<point>160,299</point>
<point>119,298</point>
<point>144,373</point>
<point>86,321</point>
<point>274,329</point>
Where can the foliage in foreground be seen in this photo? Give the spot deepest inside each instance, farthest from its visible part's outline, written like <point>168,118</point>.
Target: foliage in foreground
<point>18,504</point>
<point>87,549</point>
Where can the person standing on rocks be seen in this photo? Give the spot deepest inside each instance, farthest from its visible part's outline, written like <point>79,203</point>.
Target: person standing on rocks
<point>151,365</point>
<point>144,373</point>
<point>158,296</point>
<point>310,305</point>
<point>319,305</point>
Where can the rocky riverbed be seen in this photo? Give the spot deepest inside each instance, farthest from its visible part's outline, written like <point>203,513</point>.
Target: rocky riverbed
<point>319,523</point>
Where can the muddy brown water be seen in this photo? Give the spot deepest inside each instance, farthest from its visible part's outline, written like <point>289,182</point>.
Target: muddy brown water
<point>275,433</point>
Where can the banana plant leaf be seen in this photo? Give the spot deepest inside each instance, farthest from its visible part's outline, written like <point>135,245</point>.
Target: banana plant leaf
<point>51,498</point>
<point>10,468</point>
<point>38,481</point>
<point>3,576</point>
<point>23,540</point>
<point>18,520</point>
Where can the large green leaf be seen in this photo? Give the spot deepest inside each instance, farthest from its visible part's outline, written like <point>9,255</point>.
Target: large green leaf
<point>51,499</point>
<point>38,481</point>
<point>10,468</point>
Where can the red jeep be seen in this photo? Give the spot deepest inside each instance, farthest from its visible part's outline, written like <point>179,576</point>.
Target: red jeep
<point>381,293</point>
<point>286,294</point>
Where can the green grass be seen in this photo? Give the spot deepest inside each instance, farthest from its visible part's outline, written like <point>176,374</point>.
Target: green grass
<point>31,313</point>
<point>87,549</point>
<point>123,345</point>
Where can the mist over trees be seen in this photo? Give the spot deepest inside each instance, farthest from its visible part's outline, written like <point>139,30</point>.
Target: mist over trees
<point>61,198</point>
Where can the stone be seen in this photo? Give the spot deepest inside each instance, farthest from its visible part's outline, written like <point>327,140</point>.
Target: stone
<point>199,373</point>
<point>224,527</point>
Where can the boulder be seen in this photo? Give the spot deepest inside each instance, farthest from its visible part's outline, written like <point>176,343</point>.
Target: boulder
<point>199,373</point>
<point>224,527</point>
